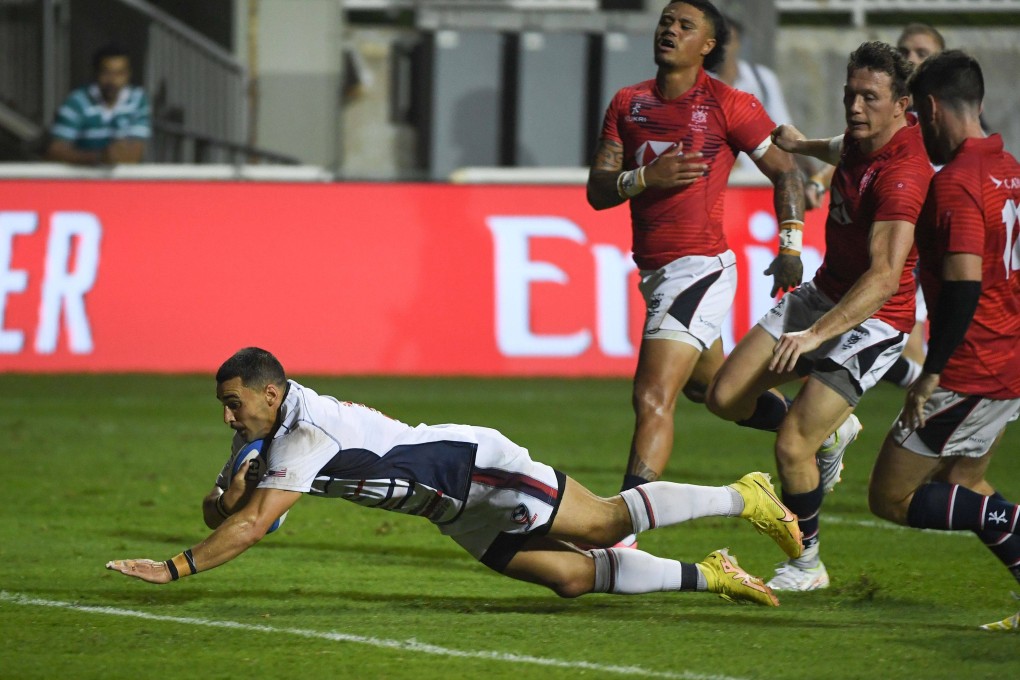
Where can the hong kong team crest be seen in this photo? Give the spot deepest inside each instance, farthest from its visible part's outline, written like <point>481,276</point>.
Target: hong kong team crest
<point>522,515</point>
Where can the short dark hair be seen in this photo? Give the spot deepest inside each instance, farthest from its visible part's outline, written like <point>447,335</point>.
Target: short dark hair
<point>882,58</point>
<point>254,366</point>
<point>720,30</point>
<point>919,27</point>
<point>953,77</point>
<point>107,51</point>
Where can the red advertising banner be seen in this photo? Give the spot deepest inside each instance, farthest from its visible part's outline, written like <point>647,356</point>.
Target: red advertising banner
<point>338,278</point>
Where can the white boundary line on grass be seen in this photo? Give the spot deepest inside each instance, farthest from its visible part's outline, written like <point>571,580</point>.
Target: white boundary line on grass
<point>882,524</point>
<point>411,645</point>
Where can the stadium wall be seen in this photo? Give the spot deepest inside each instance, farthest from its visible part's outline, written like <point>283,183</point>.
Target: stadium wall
<point>340,278</point>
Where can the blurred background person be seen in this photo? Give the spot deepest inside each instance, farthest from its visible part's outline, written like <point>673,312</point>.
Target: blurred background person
<point>105,122</point>
<point>762,82</point>
<point>918,41</point>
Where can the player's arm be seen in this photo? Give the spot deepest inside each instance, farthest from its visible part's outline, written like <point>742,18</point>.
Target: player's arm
<point>603,175</point>
<point>236,534</point>
<point>219,504</point>
<point>610,185</point>
<point>816,186</point>
<point>889,246</point>
<point>958,300</point>
<point>787,269</point>
<point>788,138</point>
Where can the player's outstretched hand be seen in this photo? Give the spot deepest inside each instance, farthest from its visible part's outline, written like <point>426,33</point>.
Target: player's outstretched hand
<point>673,168</point>
<point>147,570</point>
<point>918,395</point>
<point>787,271</point>
<point>787,138</point>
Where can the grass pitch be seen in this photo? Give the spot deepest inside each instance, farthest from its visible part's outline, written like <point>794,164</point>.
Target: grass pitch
<point>102,467</point>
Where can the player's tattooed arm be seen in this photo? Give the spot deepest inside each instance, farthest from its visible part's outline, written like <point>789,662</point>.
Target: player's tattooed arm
<point>789,196</point>
<point>787,270</point>
<point>602,178</point>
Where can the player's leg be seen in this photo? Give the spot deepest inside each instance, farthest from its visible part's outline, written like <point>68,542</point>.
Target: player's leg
<point>898,472</point>
<point>686,304</point>
<point>816,411</point>
<point>741,390</point>
<point>970,472</point>
<point>664,366</point>
<point>892,492</point>
<point>570,572</point>
<point>708,364</point>
<point>586,519</point>
<point>960,430</point>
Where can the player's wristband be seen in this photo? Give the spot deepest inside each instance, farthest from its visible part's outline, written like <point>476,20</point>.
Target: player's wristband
<point>181,565</point>
<point>791,237</point>
<point>630,183</point>
<point>219,507</point>
<point>836,145</point>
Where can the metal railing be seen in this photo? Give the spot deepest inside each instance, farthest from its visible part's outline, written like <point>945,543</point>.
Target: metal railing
<point>540,5</point>
<point>197,88</point>
<point>860,9</point>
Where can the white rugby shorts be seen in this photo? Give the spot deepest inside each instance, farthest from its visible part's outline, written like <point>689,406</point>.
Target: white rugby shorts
<point>689,298</point>
<point>864,353</point>
<point>511,499</point>
<point>956,425</point>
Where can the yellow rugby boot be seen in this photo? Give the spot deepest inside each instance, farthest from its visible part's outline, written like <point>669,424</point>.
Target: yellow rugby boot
<point>730,582</point>
<point>766,512</point>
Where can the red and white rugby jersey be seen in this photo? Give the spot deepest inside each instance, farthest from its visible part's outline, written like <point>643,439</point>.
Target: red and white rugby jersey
<point>887,185</point>
<point>973,206</point>
<point>711,118</point>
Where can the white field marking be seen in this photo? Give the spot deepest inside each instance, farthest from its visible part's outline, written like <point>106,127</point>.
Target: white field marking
<point>410,645</point>
<point>882,524</point>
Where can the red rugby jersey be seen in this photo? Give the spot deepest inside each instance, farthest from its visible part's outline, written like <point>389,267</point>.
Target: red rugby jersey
<point>889,184</point>
<point>712,118</point>
<point>973,206</point>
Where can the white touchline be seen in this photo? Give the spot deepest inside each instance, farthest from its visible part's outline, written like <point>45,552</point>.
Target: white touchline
<point>882,524</point>
<point>410,645</point>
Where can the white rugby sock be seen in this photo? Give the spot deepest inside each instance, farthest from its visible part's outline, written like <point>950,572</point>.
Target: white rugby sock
<point>631,572</point>
<point>913,372</point>
<point>662,504</point>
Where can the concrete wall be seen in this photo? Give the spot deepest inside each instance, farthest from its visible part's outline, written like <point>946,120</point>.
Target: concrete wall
<point>299,68</point>
<point>375,146</point>
<point>811,64</point>
<point>303,112</point>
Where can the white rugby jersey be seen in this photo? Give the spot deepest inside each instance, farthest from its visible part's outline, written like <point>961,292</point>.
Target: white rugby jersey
<point>327,447</point>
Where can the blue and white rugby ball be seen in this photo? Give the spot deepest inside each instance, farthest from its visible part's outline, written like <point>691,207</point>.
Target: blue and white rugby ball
<point>251,451</point>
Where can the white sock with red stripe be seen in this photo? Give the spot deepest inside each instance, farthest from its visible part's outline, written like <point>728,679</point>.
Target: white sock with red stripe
<point>662,504</point>
<point>631,572</point>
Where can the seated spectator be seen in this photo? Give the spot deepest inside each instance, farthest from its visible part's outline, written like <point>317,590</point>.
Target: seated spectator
<point>105,122</point>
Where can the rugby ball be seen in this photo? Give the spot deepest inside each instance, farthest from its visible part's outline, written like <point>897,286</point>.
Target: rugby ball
<point>256,471</point>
